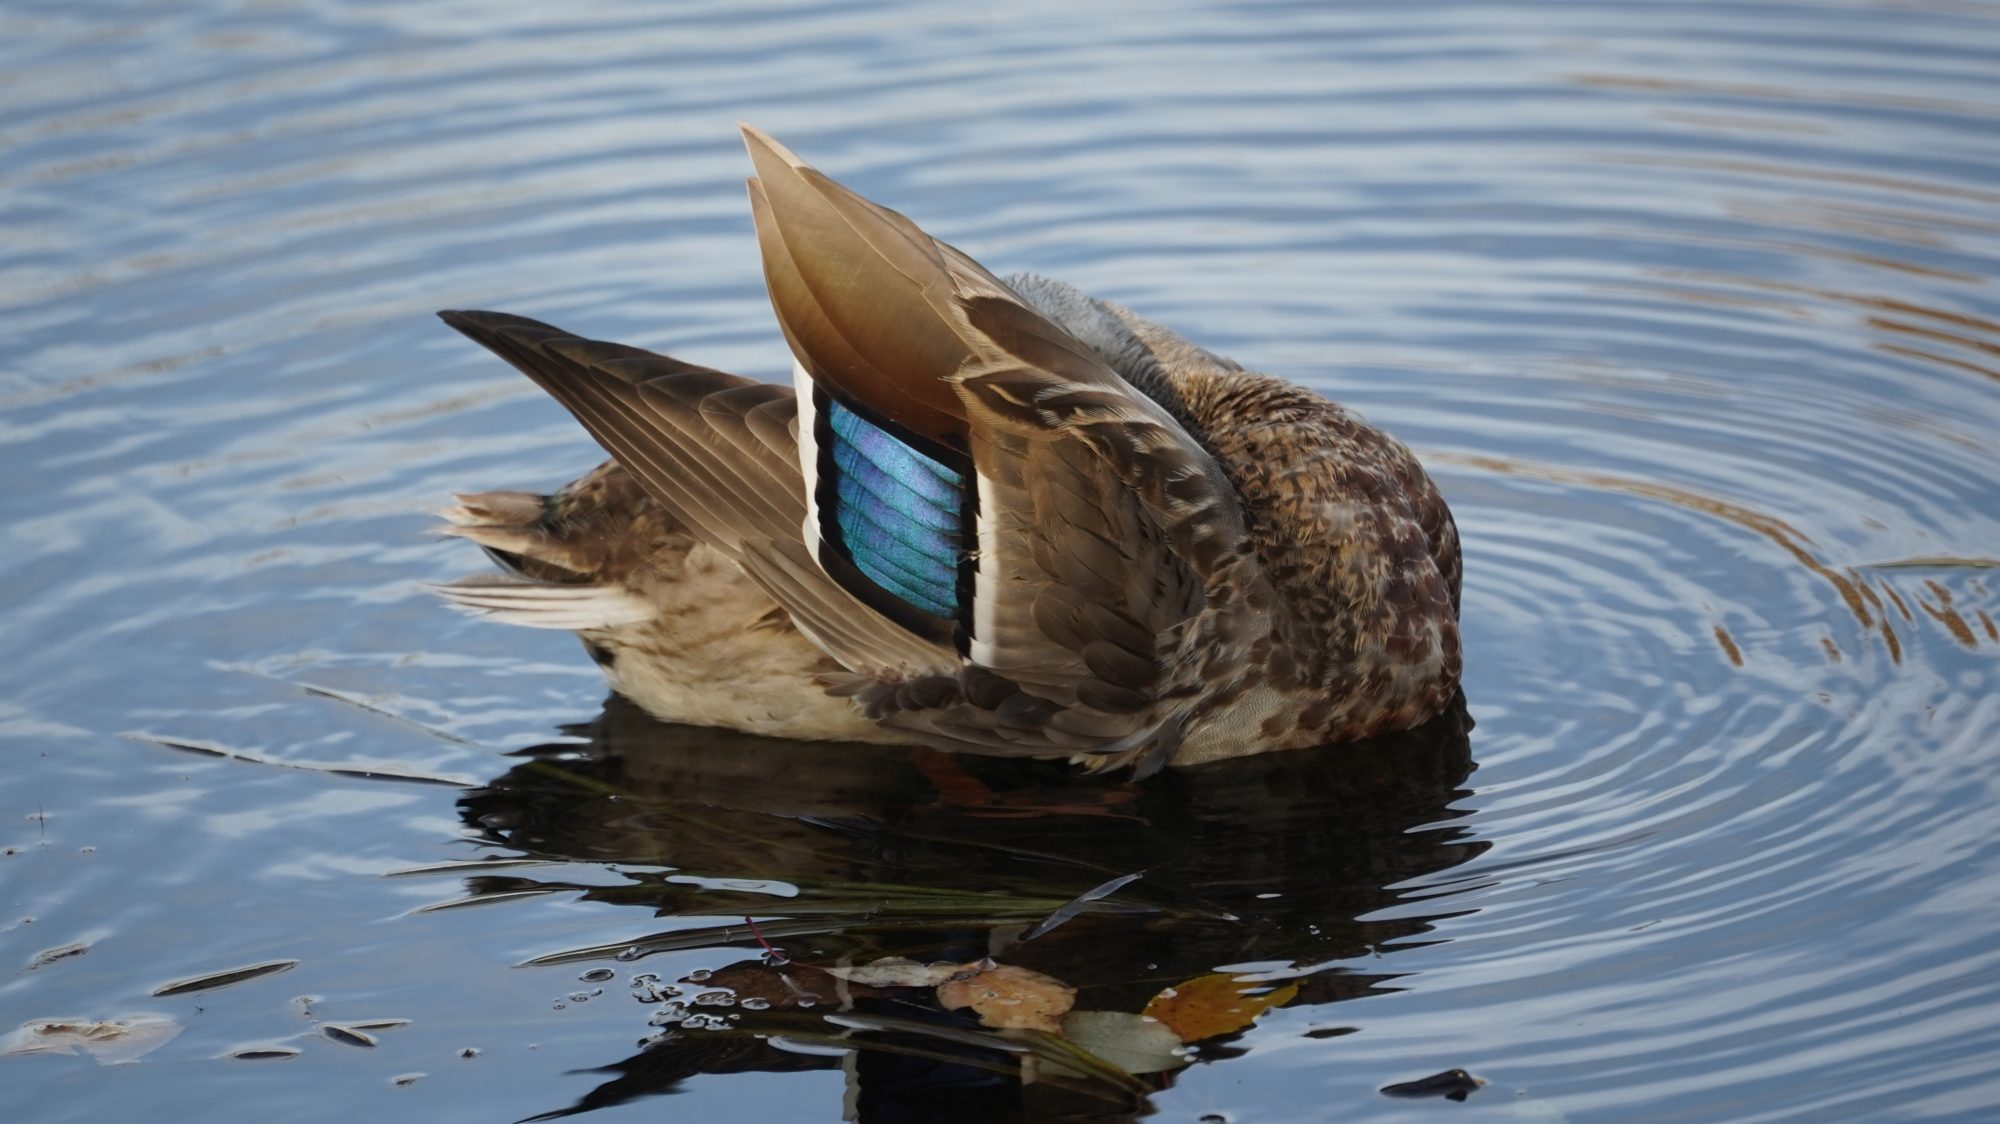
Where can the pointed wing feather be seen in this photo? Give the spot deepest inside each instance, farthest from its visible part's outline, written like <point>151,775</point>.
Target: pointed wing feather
<point>717,451</point>
<point>632,411</point>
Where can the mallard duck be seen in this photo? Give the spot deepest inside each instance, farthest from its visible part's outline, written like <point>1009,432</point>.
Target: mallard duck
<point>988,516</point>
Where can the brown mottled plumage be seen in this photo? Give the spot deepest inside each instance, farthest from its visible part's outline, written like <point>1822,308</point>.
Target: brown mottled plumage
<point>1162,558</point>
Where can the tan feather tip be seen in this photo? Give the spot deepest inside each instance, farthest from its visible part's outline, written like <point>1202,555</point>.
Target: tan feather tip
<point>771,160</point>
<point>759,141</point>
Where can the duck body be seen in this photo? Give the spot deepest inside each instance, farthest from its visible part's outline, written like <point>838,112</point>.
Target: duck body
<point>996,517</point>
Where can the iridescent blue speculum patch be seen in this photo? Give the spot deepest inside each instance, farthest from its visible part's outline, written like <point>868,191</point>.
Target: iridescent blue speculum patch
<point>897,512</point>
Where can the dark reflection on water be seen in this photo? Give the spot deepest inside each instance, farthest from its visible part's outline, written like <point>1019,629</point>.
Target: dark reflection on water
<point>1276,866</point>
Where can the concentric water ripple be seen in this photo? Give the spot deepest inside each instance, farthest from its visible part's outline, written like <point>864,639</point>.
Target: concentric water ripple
<point>1688,306</point>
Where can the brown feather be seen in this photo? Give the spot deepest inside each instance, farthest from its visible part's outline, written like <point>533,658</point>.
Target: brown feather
<point>855,316</point>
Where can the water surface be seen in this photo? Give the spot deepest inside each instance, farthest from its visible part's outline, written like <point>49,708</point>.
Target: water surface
<point>1688,306</point>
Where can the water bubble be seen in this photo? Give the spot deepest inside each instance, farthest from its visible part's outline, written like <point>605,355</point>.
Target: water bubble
<point>597,975</point>
<point>629,954</point>
<point>808,1001</point>
<point>755,1004</point>
<point>469,1052</point>
<point>645,979</point>
<point>716,998</point>
<point>699,974</point>
<point>777,957</point>
<point>561,1006</point>
<point>596,991</point>
<point>578,997</point>
<point>669,1014</point>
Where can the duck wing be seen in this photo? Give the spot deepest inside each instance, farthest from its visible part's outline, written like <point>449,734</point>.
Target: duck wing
<point>977,475</point>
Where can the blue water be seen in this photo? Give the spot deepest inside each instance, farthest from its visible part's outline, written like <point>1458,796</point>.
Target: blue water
<point>1689,307</point>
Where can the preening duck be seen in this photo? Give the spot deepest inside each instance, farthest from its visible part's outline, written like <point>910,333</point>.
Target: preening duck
<point>988,516</point>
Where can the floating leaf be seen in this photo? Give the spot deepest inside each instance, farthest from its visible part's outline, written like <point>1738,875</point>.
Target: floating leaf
<point>110,1042</point>
<point>901,971</point>
<point>1206,1006</point>
<point>1004,996</point>
<point>1133,1043</point>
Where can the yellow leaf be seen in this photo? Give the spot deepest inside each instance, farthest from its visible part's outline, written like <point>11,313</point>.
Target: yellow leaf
<point>1005,996</point>
<point>1206,1006</point>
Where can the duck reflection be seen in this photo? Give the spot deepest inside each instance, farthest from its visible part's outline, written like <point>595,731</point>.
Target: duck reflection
<point>1273,867</point>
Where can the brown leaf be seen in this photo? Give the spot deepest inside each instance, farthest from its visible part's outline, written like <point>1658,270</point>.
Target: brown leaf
<point>1206,1006</point>
<point>1004,996</point>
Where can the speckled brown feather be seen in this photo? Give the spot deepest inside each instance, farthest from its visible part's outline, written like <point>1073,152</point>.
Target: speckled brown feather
<point>600,527</point>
